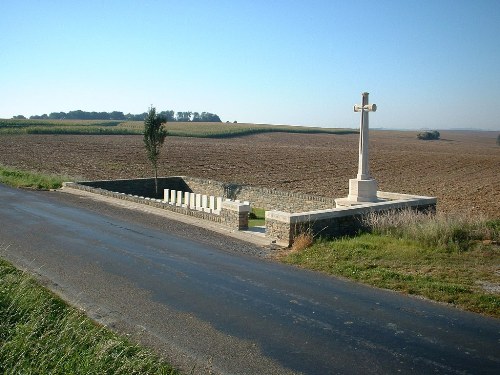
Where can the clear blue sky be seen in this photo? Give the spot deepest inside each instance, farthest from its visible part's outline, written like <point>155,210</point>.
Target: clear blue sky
<point>426,63</point>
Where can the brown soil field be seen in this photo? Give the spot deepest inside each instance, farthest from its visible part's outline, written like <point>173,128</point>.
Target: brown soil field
<point>461,169</point>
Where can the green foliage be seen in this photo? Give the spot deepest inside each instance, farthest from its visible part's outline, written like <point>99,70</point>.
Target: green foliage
<point>429,135</point>
<point>257,217</point>
<point>40,334</point>
<point>498,140</point>
<point>17,178</point>
<point>154,136</point>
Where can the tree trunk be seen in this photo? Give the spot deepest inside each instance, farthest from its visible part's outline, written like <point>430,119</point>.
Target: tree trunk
<point>156,182</point>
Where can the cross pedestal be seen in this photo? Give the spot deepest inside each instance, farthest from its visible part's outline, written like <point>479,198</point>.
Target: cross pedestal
<point>363,188</point>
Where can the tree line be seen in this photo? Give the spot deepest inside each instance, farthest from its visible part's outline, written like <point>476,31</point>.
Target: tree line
<point>115,115</point>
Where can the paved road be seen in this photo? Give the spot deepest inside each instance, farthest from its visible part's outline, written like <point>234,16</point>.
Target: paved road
<point>196,299</point>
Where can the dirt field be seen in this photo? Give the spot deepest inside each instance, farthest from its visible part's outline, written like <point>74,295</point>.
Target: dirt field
<point>462,169</point>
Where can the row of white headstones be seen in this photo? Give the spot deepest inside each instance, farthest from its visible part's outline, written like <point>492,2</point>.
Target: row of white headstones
<point>194,201</point>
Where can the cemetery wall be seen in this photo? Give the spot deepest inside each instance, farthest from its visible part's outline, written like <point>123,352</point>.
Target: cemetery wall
<point>140,186</point>
<point>268,199</point>
<point>284,227</point>
<point>232,216</point>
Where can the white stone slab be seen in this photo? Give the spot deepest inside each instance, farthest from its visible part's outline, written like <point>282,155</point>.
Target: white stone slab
<point>198,202</point>
<point>192,201</point>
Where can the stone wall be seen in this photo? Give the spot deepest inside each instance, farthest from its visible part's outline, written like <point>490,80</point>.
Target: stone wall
<point>284,227</point>
<point>144,187</point>
<point>268,199</point>
<point>233,215</point>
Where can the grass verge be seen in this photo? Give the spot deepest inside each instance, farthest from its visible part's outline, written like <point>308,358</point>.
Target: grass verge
<point>438,261</point>
<point>40,334</point>
<point>33,180</point>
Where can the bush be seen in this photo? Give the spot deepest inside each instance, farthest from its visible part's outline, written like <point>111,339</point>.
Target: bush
<point>429,135</point>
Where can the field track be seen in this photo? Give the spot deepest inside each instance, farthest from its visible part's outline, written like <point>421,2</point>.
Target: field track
<point>462,169</point>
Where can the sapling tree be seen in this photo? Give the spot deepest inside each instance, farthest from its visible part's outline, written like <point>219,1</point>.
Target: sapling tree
<point>154,136</point>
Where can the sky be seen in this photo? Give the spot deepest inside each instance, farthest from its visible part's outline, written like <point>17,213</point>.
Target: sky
<point>431,64</point>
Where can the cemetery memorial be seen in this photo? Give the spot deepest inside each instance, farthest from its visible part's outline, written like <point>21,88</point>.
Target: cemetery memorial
<point>287,214</point>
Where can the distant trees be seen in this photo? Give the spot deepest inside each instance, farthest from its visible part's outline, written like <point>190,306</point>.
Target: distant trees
<point>19,117</point>
<point>154,136</point>
<point>115,115</point>
<point>429,135</point>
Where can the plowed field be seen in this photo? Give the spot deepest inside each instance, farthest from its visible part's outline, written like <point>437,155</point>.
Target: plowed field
<point>461,169</point>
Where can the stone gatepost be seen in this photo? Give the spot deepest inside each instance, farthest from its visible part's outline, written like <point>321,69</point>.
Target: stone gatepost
<point>235,215</point>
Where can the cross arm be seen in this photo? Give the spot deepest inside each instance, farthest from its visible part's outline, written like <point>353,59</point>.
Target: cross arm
<point>367,107</point>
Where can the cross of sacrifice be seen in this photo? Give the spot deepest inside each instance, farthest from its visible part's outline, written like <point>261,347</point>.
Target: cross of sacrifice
<point>364,108</point>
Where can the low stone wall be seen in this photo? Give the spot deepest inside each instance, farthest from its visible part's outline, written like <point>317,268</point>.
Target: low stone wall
<point>287,214</point>
<point>283,227</point>
<point>268,199</point>
<point>233,214</point>
<point>144,187</point>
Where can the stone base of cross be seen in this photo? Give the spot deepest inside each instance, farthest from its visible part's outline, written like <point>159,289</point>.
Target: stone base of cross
<point>362,189</point>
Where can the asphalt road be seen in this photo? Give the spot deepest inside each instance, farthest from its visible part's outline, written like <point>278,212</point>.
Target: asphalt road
<point>210,308</point>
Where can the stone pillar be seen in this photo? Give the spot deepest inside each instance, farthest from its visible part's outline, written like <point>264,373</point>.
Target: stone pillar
<point>235,215</point>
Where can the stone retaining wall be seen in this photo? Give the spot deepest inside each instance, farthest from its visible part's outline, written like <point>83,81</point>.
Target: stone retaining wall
<point>233,214</point>
<point>268,199</point>
<point>284,227</point>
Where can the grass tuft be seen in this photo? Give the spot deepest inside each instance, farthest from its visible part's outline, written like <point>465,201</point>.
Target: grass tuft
<point>40,334</point>
<point>302,241</point>
<point>33,180</point>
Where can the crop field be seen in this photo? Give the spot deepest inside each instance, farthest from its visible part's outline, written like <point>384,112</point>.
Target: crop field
<point>461,169</point>
<point>177,129</point>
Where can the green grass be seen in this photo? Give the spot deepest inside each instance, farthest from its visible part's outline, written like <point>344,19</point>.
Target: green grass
<point>26,179</point>
<point>178,129</point>
<point>40,334</point>
<point>257,217</point>
<point>445,269</point>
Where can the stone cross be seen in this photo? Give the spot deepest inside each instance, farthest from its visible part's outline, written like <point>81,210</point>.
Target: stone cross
<point>364,108</point>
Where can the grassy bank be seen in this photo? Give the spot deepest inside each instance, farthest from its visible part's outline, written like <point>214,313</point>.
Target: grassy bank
<point>176,129</point>
<point>453,260</point>
<point>26,179</point>
<point>40,334</point>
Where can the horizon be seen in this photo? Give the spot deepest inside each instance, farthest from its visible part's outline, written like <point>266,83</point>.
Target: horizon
<point>427,64</point>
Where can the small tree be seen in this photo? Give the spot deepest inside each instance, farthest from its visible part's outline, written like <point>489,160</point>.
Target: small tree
<point>154,136</point>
